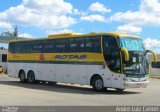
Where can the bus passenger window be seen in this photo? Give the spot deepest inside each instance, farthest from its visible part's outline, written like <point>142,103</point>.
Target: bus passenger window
<point>36,46</point>
<point>48,46</point>
<point>12,47</point>
<point>72,45</point>
<point>61,45</point>
<point>89,46</point>
<point>17,47</point>
<point>80,45</point>
<point>111,53</point>
<point>4,57</point>
<point>25,47</point>
<point>92,44</point>
<point>97,44</point>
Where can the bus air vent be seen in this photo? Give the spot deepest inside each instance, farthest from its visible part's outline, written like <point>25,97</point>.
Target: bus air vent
<point>62,35</point>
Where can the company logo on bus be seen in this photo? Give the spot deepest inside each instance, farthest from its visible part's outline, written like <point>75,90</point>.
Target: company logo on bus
<point>83,56</point>
<point>41,56</point>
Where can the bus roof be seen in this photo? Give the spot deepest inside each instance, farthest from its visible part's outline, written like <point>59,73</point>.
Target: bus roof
<point>70,35</point>
<point>90,34</point>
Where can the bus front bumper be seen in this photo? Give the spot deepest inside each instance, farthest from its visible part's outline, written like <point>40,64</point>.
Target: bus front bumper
<point>129,84</point>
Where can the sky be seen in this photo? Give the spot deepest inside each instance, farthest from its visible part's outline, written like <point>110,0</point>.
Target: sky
<point>39,18</point>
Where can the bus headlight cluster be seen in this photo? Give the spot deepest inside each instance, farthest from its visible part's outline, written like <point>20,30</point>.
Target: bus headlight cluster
<point>126,79</point>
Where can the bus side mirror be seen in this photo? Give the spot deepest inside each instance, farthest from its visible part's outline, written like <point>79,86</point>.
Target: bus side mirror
<point>125,51</point>
<point>154,55</point>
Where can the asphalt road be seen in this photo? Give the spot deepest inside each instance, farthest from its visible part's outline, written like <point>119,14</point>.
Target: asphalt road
<point>12,92</point>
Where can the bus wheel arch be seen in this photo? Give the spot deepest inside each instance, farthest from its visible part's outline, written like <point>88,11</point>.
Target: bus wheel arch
<point>31,76</point>
<point>97,82</point>
<point>22,76</point>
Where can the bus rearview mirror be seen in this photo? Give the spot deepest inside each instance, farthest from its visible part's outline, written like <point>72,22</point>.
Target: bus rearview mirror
<point>126,54</point>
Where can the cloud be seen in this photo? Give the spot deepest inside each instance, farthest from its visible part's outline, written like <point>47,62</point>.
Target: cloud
<point>79,12</point>
<point>147,15</point>
<point>76,11</point>
<point>5,25</point>
<point>55,7</point>
<point>93,18</point>
<point>98,7</point>
<point>152,44</point>
<point>150,6</point>
<point>60,31</point>
<point>129,29</point>
<point>43,14</point>
<point>25,35</point>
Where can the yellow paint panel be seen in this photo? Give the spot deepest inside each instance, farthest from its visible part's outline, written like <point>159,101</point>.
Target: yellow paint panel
<point>51,56</point>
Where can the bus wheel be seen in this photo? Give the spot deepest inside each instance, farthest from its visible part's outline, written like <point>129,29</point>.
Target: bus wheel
<point>31,77</point>
<point>52,83</point>
<point>22,77</point>
<point>97,84</point>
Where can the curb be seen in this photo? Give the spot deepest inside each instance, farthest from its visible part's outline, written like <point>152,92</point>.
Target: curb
<point>154,77</point>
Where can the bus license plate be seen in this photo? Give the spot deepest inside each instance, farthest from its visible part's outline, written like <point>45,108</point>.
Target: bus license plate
<point>139,85</point>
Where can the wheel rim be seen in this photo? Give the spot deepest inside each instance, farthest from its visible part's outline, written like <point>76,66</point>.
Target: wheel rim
<point>22,77</point>
<point>99,84</point>
<point>31,78</point>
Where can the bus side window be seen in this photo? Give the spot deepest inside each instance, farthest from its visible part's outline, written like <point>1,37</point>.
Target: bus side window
<point>4,57</point>
<point>49,46</point>
<point>72,45</point>
<point>12,47</point>
<point>25,47</point>
<point>17,47</point>
<point>106,48</point>
<point>92,44</point>
<point>89,46</point>
<point>97,44</point>
<point>61,45</point>
<point>80,45</point>
<point>37,46</point>
<point>111,53</point>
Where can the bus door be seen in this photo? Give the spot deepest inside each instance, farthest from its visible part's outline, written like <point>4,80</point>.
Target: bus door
<point>112,58</point>
<point>4,62</point>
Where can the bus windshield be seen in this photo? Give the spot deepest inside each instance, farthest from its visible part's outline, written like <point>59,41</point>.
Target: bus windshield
<point>132,44</point>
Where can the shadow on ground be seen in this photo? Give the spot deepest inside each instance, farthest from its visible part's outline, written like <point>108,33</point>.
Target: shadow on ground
<point>62,88</point>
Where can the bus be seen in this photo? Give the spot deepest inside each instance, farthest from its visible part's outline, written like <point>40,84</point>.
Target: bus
<point>101,60</point>
<point>3,60</point>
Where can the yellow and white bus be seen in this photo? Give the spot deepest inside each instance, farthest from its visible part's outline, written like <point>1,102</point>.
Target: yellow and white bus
<point>3,60</point>
<point>102,60</point>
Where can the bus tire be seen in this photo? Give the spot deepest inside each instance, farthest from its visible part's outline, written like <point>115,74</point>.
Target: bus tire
<point>52,83</point>
<point>97,84</point>
<point>119,90</point>
<point>22,77</point>
<point>31,77</point>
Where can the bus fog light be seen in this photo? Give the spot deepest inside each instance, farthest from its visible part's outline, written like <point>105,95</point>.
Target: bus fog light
<point>125,84</point>
<point>126,79</point>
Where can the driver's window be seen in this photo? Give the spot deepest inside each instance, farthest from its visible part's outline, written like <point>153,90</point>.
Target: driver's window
<point>111,53</point>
